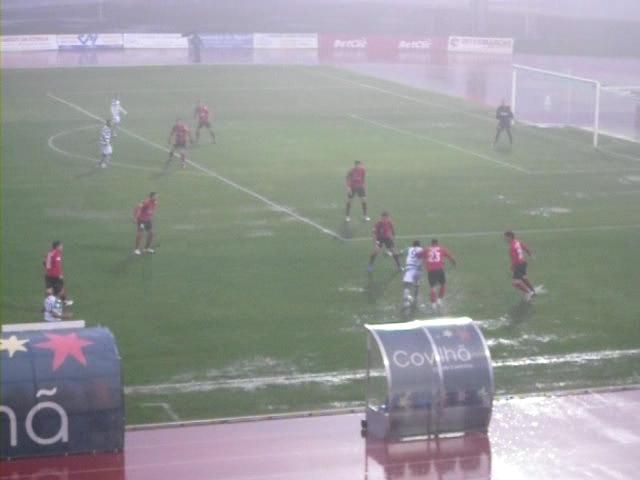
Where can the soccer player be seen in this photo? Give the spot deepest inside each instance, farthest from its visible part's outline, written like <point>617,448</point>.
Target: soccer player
<point>142,216</point>
<point>355,186</point>
<point>504,115</point>
<point>517,251</point>
<point>412,273</point>
<point>116,110</point>
<point>53,275</point>
<point>53,311</point>
<point>106,150</point>
<point>178,138</point>
<point>202,114</point>
<point>383,237</point>
<point>434,258</point>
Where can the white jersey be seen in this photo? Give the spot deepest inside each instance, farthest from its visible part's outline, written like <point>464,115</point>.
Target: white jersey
<point>414,258</point>
<point>116,109</point>
<point>105,136</point>
<point>52,309</point>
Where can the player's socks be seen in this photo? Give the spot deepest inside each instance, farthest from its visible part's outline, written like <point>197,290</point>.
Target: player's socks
<point>528,284</point>
<point>522,287</point>
<point>443,289</point>
<point>433,296</point>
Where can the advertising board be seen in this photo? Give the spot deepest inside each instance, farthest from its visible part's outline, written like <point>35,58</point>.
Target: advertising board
<point>155,40</point>
<point>480,45</point>
<point>227,40</point>
<point>285,40</point>
<point>23,43</point>
<point>90,40</point>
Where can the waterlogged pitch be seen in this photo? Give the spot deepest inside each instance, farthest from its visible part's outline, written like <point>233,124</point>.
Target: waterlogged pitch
<point>255,299</point>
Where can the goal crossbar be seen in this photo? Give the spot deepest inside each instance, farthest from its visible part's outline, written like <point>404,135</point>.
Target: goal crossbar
<point>566,76</point>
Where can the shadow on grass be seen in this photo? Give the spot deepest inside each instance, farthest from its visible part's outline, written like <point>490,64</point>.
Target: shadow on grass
<point>374,289</point>
<point>519,313</point>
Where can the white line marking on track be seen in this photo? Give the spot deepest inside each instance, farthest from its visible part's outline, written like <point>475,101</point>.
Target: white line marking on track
<point>438,142</point>
<point>166,407</point>
<point>209,172</point>
<point>488,233</point>
<point>342,377</point>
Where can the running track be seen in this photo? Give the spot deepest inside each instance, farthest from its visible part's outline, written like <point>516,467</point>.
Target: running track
<point>579,436</point>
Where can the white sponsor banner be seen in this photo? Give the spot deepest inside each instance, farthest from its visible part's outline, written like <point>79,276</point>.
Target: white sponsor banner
<point>285,40</point>
<point>480,45</point>
<point>21,43</point>
<point>90,40</point>
<point>155,40</point>
<point>415,44</point>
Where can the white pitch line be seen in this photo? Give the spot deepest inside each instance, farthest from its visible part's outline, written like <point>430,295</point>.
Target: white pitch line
<point>439,142</point>
<point>211,173</point>
<point>206,90</point>
<point>52,146</point>
<point>466,113</point>
<point>339,378</point>
<point>489,233</point>
<point>166,407</point>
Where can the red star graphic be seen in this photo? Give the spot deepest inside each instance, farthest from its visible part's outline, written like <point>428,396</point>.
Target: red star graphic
<point>463,334</point>
<point>63,346</point>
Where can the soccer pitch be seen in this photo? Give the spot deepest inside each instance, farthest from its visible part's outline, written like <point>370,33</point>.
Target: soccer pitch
<point>255,300</point>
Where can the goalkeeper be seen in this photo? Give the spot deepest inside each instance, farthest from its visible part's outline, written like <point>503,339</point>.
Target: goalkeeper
<point>504,115</point>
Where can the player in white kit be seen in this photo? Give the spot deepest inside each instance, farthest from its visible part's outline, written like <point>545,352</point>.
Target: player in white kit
<point>116,110</point>
<point>104,142</point>
<point>412,274</point>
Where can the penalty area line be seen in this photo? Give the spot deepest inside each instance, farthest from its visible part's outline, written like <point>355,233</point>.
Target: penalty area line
<point>277,207</point>
<point>438,142</point>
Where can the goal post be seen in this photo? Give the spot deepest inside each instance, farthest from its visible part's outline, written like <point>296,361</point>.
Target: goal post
<point>554,99</point>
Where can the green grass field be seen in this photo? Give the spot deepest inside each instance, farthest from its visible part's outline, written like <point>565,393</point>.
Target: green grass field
<point>246,309</point>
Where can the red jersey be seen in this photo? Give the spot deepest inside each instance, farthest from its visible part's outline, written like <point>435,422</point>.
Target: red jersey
<point>202,112</point>
<point>355,177</point>
<point>434,257</point>
<point>53,263</point>
<point>517,250</point>
<point>146,210</point>
<point>180,132</point>
<point>384,228</point>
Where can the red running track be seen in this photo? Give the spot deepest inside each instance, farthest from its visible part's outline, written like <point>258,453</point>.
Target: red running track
<point>583,436</point>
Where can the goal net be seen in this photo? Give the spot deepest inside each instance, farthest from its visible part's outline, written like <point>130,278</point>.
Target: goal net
<point>553,99</point>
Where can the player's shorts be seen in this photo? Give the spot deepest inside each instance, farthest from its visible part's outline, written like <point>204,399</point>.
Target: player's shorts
<point>520,271</point>
<point>115,119</point>
<point>385,242</point>
<point>55,283</point>
<point>144,225</point>
<point>412,275</point>
<point>204,123</point>
<point>106,149</point>
<point>504,125</point>
<point>180,145</point>
<point>436,277</point>
<point>359,191</point>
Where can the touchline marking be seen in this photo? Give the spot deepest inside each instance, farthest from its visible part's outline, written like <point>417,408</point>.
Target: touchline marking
<point>341,377</point>
<point>207,90</point>
<point>438,142</point>
<point>211,173</point>
<point>489,233</point>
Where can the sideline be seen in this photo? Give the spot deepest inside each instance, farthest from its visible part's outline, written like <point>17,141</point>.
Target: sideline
<point>277,207</point>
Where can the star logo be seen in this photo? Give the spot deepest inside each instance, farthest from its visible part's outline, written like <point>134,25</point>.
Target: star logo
<point>13,345</point>
<point>463,334</point>
<point>64,346</point>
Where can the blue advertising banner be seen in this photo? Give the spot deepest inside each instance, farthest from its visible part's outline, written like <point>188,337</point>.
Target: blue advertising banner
<point>61,392</point>
<point>227,40</point>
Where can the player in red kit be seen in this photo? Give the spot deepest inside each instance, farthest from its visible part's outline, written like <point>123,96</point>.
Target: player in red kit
<point>202,114</point>
<point>53,274</point>
<point>143,216</point>
<point>517,251</point>
<point>434,258</point>
<point>355,186</point>
<point>178,138</point>
<point>384,237</point>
